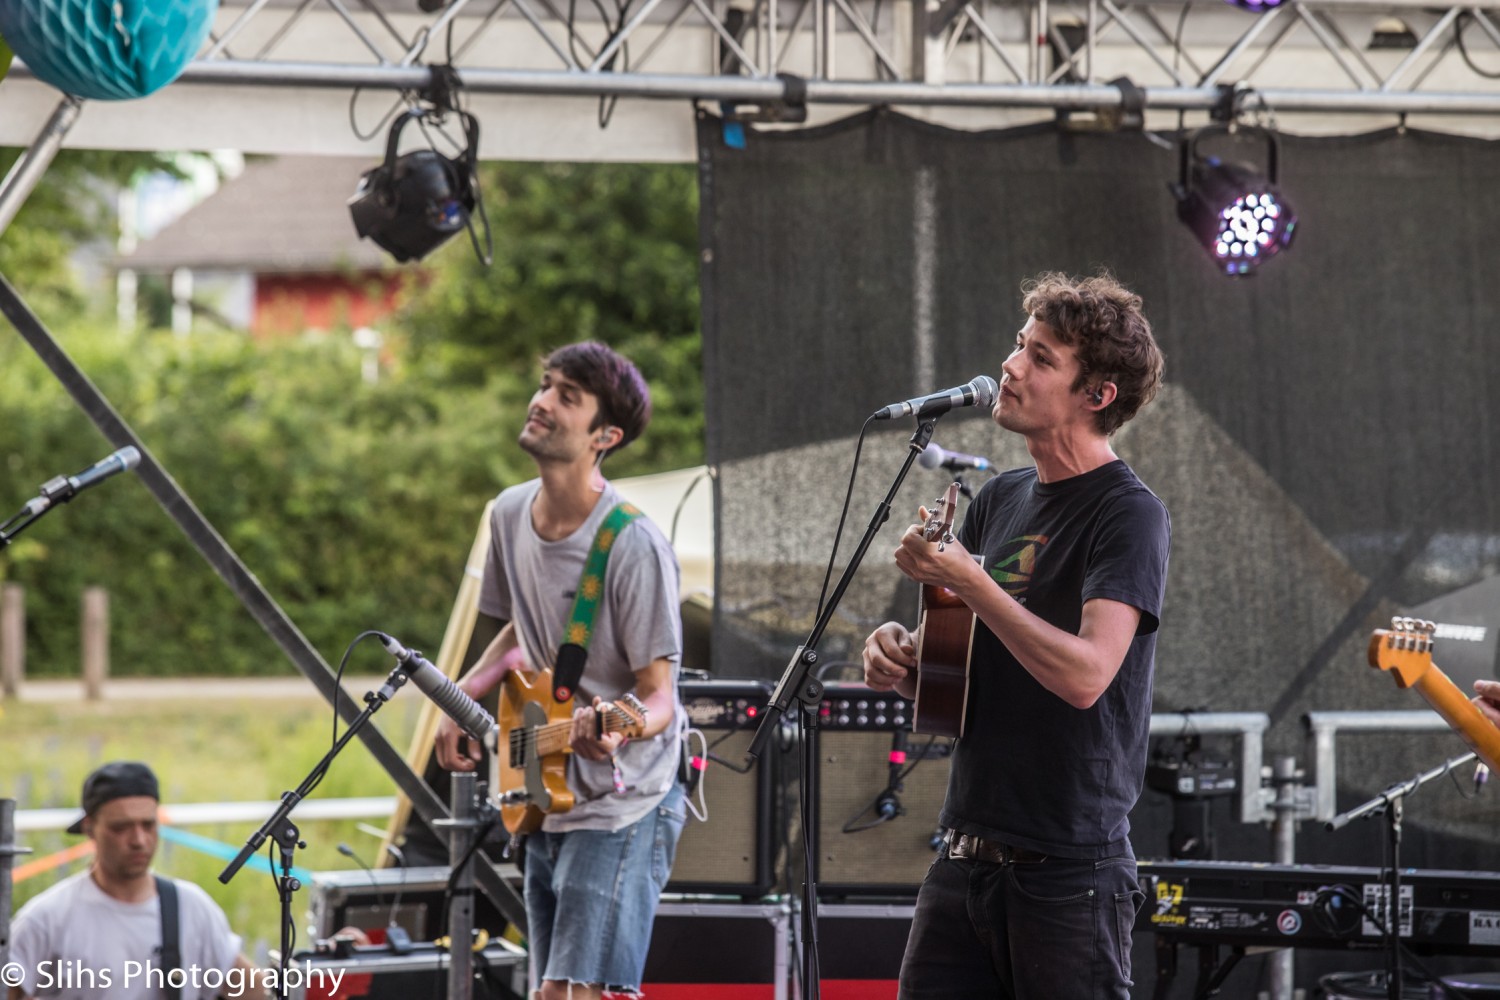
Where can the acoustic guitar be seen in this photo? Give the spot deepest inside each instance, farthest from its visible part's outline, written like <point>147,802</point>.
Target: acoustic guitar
<point>945,639</point>
<point>1405,650</point>
<point>529,768</point>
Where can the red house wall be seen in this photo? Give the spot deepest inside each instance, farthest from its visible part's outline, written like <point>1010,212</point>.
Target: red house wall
<point>290,304</point>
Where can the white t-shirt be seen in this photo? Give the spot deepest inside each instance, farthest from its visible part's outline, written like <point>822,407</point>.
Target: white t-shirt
<point>74,942</point>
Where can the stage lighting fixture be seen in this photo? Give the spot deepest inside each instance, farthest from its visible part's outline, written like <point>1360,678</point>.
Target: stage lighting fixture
<point>413,203</point>
<point>1237,212</point>
<point>1255,6</point>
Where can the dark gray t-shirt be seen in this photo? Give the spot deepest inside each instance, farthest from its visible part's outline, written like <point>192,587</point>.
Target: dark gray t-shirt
<point>1032,770</point>
<point>531,582</point>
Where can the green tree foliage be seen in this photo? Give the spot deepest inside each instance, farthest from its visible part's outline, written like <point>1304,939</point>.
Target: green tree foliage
<point>355,505</point>
<point>593,251</point>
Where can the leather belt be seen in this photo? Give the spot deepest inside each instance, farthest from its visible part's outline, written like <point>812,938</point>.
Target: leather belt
<point>968,847</point>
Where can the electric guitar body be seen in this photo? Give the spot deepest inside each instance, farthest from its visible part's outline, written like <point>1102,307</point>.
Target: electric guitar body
<point>529,768</point>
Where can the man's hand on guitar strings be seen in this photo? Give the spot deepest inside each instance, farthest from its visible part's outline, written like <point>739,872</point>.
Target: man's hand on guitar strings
<point>889,653</point>
<point>454,749</point>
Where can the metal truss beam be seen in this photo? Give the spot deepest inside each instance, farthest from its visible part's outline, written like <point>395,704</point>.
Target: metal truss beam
<point>776,90</point>
<point>292,71</point>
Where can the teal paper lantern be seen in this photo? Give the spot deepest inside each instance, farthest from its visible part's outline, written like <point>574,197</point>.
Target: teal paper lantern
<point>107,50</point>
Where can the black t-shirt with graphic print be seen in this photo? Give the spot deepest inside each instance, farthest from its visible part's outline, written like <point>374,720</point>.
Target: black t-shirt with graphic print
<point>1031,770</point>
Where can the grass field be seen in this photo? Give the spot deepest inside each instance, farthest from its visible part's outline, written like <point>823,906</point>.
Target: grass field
<point>202,751</point>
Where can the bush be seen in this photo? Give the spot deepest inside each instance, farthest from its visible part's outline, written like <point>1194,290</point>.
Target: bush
<point>355,505</point>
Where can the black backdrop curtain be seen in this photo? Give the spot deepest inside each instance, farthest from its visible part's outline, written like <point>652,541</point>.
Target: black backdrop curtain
<point>1324,443</point>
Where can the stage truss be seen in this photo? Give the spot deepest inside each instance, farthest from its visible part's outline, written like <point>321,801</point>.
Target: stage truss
<point>278,77</point>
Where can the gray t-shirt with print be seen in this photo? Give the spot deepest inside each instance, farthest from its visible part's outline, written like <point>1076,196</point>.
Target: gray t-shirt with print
<point>531,582</point>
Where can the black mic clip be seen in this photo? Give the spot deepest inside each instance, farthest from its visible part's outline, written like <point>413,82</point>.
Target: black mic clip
<point>397,940</point>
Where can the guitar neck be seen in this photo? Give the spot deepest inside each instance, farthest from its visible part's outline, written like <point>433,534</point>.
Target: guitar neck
<point>1460,713</point>
<point>555,737</point>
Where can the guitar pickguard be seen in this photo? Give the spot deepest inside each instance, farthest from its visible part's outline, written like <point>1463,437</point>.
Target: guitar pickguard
<point>533,715</point>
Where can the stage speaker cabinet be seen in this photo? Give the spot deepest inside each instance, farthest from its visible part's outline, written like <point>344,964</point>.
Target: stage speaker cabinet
<point>729,853</point>
<point>858,855</point>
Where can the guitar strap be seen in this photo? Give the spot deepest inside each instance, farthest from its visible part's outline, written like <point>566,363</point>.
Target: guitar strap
<point>574,651</point>
<point>171,944</point>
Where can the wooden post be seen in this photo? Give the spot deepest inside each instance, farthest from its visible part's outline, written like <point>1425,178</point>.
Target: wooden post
<point>95,642</point>
<point>12,639</point>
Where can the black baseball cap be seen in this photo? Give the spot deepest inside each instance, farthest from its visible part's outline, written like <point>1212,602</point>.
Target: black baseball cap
<point>118,779</point>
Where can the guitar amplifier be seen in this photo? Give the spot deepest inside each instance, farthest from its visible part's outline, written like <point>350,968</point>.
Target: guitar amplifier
<point>730,852</point>
<point>858,852</point>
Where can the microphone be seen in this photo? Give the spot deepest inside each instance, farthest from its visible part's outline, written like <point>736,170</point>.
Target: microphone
<point>61,489</point>
<point>980,392</point>
<point>448,696</point>
<point>1481,775</point>
<point>934,457</point>
<point>888,803</point>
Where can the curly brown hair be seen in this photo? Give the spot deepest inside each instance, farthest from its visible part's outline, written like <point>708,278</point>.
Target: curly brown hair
<point>1102,320</point>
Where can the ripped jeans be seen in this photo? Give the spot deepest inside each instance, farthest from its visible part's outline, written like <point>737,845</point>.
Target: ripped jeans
<point>1054,930</point>
<point>591,897</point>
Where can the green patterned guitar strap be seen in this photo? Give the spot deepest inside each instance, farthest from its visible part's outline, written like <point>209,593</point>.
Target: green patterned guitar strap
<point>574,651</point>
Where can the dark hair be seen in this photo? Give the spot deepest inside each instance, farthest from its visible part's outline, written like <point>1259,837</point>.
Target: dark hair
<point>1102,320</point>
<point>624,399</point>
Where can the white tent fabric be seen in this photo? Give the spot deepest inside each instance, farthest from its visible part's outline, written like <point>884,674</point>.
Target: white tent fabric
<point>681,503</point>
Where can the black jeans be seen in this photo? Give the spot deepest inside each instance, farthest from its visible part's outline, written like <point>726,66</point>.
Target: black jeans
<point>1054,930</point>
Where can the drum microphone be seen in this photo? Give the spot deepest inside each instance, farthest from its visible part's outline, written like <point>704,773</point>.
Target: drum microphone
<point>448,696</point>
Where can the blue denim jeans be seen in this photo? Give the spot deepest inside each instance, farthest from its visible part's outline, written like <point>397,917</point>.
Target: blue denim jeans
<point>591,897</point>
<point>1054,930</point>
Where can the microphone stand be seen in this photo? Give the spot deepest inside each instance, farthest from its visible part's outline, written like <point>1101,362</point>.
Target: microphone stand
<point>284,832</point>
<point>798,684</point>
<point>1391,802</point>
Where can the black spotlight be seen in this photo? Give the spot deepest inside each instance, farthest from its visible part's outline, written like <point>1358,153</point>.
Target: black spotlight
<point>413,203</point>
<point>1237,213</point>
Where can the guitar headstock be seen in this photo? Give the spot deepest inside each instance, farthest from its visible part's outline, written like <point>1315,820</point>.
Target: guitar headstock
<point>939,526</point>
<point>1405,649</point>
<point>626,716</point>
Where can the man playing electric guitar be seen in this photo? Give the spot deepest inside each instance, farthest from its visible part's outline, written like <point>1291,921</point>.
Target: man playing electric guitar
<point>594,872</point>
<point>1034,893</point>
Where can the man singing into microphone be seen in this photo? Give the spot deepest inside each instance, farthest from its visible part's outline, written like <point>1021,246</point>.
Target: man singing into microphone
<point>1034,892</point>
<point>595,872</point>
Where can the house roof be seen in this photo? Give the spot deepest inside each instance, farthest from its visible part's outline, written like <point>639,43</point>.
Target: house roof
<point>284,215</point>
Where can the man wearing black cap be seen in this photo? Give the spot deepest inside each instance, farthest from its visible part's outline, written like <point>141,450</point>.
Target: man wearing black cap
<point>102,933</point>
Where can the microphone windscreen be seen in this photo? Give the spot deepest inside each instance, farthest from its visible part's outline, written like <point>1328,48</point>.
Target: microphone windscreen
<point>986,390</point>
<point>931,458</point>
